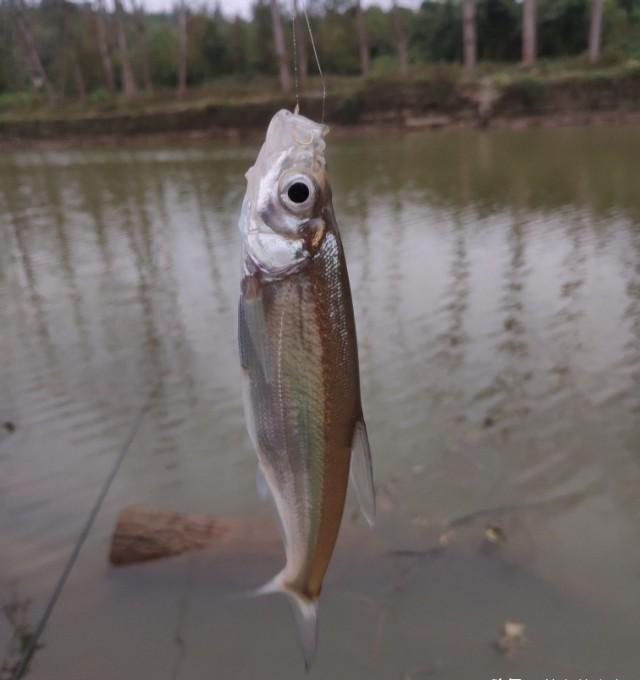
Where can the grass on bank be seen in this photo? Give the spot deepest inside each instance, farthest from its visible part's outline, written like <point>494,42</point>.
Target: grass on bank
<point>529,84</point>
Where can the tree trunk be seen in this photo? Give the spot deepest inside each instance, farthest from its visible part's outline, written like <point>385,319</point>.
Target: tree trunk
<point>68,40</point>
<point>182,49</point>
<point>363,44</point>
<point>37,74</point>
<point>278,40</point>
<point>469,33</point>
<point>529,38</point>
<point>81,90</point>
<point>129,86</point>
<point>141,26</point>
<point>65,49</point>
<point>301,50</point>
<point>103,47</point>
<point>595,32</point>
<point>401,40</point>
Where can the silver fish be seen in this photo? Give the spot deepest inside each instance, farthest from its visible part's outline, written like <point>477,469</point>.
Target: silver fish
<point>299,356</point>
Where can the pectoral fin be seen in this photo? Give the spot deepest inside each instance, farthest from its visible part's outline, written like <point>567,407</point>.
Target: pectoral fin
<point>361,472</point>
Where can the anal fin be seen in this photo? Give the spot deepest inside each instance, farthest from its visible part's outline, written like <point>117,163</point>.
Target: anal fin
<point>361,472</point>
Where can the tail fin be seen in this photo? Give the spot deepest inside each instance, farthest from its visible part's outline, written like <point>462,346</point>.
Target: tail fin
<point>305,612</point>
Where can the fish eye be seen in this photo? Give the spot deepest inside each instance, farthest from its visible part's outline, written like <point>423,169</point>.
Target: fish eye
<point>298,193</point>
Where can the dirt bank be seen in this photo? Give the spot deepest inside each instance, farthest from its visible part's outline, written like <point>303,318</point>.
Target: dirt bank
<point>433,103</point>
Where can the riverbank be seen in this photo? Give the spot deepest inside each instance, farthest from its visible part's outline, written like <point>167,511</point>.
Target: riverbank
<point>440,97</point>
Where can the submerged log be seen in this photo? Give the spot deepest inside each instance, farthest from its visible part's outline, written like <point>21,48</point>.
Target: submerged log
<point>143,534</point>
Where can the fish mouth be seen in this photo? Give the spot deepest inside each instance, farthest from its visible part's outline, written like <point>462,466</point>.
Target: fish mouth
<point>291,130</point>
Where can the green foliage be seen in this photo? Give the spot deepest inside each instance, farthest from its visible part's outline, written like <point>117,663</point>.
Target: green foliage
<point>222,47</point>
<point>163,54</point>
<point>436,32</point>
<point>348,110</point>
<point>632,68</point>
<point>498,30</point>
<point>444,85</point>
<point>380,32</point>
<point>630,7</point>
<point>528,93</point>
<point>622,30</point>
<point>216,47</point>
<point>338,48</point>
<point>261,54</point>
<point>20,101</point>
<point>5,49</point>
<point>563,27</point>
<point>99,98</point>
<point>384,66</point>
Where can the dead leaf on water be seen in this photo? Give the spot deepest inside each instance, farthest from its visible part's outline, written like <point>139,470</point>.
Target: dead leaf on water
<point>422,522</point>
<point>512,637</point>
<point>494,534</point>
<point>423,673</point>
<point>447,537</point>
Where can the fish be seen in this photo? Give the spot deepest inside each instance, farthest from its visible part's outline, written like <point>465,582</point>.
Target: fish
<point>299,358</point>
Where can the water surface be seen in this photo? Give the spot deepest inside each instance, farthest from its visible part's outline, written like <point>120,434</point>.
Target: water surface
<point>496,283</point>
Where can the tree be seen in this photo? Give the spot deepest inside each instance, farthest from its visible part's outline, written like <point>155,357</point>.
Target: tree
<point>437,31</point>
<point>469,33</point>
<point>137,10</point>
<point>529,37</point>
<point>129,86</point>
<point>563,27</point>
<point>182,49</point>
<point>214,46</point>
<point>595,30</point>
<point>70,31</point>
<point>59,45</point>
<point>163,47</point>
<point>498,30</point>
<point>278,41</point>
<point>38,75</point>
<point>363,45</point>
<point>301,51</point>
<point>81,88</point>
<point>104,46</point>
<point>629,6</point>
<point>401,40</point>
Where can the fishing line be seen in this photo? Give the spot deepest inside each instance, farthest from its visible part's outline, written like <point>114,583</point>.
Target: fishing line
<point>315,54</point>
<point>183,612</point>
<point>22,667</point>
<point>294,11</point>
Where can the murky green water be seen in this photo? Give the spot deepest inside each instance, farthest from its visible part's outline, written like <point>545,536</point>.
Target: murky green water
<point>496,280</point>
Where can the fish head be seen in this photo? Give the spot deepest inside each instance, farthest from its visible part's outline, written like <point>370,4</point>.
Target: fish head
<point>283,214</point>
